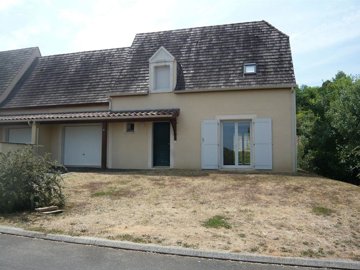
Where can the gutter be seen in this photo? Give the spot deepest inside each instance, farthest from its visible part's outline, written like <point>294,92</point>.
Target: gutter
<point>204,90</point>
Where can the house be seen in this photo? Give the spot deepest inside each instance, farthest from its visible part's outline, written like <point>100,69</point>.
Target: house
<point>215,97</point>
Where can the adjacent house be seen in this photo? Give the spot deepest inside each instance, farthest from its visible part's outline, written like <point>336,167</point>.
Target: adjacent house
<point>215,97</point>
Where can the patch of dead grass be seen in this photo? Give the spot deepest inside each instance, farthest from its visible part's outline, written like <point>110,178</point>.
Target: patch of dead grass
<point>269,214</point>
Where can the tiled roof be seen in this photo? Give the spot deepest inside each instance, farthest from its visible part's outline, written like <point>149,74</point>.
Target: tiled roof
<point>103,115</point>
<point>11,63</point>
<point>208,58</point>
<point>76,78</point>
<point>214,56</point>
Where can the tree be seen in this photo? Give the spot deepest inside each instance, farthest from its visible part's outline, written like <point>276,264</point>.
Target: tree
<point>28,180</point>
<point>328,128</point>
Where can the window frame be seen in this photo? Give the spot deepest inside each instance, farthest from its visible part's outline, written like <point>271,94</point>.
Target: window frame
<point>8,129</point>
<point>250,65</point>
<point>156,69</point>
<point>130,130</point>
<point>162,58</point>
<point>221,153</point>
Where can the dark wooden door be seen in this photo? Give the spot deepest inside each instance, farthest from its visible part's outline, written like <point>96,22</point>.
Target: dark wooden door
<point>161,144</point>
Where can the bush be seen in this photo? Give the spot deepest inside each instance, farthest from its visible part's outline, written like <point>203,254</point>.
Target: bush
<point>28,181</point>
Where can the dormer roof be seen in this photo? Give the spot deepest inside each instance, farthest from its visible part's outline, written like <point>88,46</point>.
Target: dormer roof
<point>161,55</point>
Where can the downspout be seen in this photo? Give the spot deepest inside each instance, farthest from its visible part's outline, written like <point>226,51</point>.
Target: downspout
<point>293,127</point>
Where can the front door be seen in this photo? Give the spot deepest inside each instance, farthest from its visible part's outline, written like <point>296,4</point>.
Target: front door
<point>161,144</point>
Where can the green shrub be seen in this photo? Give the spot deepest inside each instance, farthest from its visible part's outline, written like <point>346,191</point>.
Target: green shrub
<point>217,222</point>
<point>28,180</point>
<point>322,211</point>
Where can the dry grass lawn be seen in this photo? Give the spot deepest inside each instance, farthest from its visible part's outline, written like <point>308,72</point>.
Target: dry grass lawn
<point>254,213</point>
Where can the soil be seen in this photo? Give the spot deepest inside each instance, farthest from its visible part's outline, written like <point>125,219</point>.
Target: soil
<point>282,215</point>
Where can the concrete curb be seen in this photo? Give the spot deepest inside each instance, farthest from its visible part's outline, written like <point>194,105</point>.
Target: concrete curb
<point>291,261</point>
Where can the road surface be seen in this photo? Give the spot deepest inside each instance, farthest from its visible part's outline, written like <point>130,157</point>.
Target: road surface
<point>21,253</point>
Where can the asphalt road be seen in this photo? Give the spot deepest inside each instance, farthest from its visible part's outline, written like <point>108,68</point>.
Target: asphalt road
<point>21,253</point>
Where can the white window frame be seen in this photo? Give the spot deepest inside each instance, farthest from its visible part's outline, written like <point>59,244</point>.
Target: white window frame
<point>127,130</point>
<point>7,132</point>
<point>241,117</point>
<point>162,58</point>
<point>237,166</point>
<point>155,88</point>
<point>250,65</point>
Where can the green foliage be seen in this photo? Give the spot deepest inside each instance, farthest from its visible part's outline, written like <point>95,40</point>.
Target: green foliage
<point>217,222</point>
<point>329,128</point>
<point>322,211</point>
<point>28,181</point>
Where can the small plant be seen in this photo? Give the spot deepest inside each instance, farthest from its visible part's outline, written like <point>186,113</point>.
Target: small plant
<point>242,235</point>
<point>115,193</point>
<point>186,245</point>
<point>102,193</point>
<point>131,238</point>
<point>217,222</point>
<point>322,211</point>
<point>313,253</point>
<point>28,181</point>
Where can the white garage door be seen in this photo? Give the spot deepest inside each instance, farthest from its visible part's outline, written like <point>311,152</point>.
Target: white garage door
<point>82,146</point>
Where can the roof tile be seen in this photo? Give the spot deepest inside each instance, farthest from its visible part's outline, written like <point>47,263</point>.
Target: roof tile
<point>208,57</point>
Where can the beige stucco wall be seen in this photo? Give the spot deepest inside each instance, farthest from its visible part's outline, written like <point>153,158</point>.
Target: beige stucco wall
<point>49,135</point>
<point>48,139</point>
<point>6,147</point>
<point>196,107</point>
<point>128,150</point>
<point>134,150</point>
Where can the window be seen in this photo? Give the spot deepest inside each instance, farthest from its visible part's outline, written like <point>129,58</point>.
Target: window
<point>130,127</point>
<point>162,71</point>
<point>19,135</point>
<point>236,143</point>
<point>162,77</point>
<point>250,68</point>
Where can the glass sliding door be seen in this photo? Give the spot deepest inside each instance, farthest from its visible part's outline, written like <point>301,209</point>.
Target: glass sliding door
<point>243,143</point>
<point>228,143</point>
<point>236,143</point>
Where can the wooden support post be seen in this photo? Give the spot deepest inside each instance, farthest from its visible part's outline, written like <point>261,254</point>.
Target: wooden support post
<point>173,124</point>
<point>34,133</point>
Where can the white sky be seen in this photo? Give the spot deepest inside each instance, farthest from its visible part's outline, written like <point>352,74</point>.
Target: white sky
<point>324,34</point>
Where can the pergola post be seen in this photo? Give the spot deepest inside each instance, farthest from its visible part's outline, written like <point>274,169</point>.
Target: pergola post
<point>34,133</point>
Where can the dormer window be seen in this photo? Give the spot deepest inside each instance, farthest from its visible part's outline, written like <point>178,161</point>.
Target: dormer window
<point>162,78</point>
<point>250,68</point>
<point>162,71</point>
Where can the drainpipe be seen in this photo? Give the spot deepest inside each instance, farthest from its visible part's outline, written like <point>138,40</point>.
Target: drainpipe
<point>293,127</point>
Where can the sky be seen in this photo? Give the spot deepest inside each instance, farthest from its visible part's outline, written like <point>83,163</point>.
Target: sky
<point>324,34</point>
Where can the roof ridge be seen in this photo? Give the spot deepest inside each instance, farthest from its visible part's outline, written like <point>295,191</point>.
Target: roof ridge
<point>22,49</point>
<point>202,27</point>
<point>270,25</point>
<point>84,52</point>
